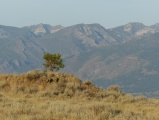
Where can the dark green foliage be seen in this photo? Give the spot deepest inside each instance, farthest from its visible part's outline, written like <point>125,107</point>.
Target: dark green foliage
<point>53,61</point>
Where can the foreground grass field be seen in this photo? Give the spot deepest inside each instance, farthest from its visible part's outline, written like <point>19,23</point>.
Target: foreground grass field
<point>40,95</point>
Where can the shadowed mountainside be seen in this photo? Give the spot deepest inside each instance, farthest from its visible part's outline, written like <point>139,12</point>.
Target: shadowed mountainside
<point>130,65</point>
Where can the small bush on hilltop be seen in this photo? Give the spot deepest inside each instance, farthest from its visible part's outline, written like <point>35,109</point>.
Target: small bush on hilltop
<point>53,61</point>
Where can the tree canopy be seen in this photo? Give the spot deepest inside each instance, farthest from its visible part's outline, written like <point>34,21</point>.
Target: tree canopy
<point>53,61</point>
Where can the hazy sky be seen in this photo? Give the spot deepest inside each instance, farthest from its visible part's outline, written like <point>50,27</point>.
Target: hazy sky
<point>109,13</point>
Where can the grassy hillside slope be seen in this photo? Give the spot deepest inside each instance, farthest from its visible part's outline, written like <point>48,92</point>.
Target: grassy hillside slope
<point>38,95</point>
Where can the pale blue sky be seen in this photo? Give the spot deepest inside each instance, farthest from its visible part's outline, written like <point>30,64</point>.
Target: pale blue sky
<point>109,13</point>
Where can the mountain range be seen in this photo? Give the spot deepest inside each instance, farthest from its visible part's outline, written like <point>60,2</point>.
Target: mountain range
<point>126,55</point>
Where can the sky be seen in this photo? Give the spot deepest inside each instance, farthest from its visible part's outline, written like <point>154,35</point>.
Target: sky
<point>108,13</point>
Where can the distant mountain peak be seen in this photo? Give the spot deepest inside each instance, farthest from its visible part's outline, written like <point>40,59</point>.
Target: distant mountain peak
<point>41,29</point>
<point>136,24</point>
<point>3,33</point>
<point>155,26</point>
<point>132,27</point>
<point>92,34</point>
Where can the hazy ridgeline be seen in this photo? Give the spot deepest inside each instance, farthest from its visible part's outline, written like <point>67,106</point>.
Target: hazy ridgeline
<point>126,55</point>
<point>39,95</point>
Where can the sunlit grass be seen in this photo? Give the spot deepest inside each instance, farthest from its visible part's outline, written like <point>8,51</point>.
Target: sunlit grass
<point>39,95</point>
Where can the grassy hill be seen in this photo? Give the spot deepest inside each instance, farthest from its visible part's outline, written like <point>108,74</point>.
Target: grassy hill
<point>38,95</point>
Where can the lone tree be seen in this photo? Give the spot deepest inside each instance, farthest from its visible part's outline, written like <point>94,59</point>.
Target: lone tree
<point>53,61</point>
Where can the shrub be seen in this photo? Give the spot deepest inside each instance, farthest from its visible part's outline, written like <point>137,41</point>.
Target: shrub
<point>53,61</point>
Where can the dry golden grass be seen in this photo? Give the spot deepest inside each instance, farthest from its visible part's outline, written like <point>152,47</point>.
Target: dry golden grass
<point>39,95</point>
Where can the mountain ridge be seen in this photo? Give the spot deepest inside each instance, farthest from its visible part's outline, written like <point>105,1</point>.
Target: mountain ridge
<point>122,55</point>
